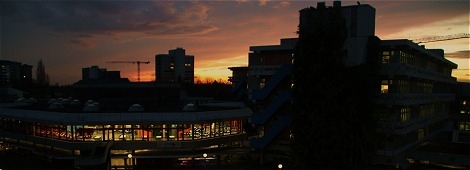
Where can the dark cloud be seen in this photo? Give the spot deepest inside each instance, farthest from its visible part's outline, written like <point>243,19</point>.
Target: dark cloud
<point>459,54</point>
<point>83,19</point>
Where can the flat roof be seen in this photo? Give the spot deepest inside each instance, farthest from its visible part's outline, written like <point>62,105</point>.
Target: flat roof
<point>44,116</point>
<point>272,47</point>
<point>409,43</point>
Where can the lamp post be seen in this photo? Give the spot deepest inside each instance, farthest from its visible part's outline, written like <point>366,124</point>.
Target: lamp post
<point>279,166</point>
<point>130,158</point>
<point>205,156</point>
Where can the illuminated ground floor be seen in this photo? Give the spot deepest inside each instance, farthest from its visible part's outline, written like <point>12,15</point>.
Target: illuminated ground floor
<point>125,140</point>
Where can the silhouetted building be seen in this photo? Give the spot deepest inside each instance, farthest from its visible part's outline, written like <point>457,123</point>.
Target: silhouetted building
<point>461,114</point>
<point>239,81</point>
<point>412,104</point>
<point>269,91</point>
<point>15,74</point>
<point>94,73</point>
<point>175,66</point>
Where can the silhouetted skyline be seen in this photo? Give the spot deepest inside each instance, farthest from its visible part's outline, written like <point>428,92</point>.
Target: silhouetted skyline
<point>68,36</point>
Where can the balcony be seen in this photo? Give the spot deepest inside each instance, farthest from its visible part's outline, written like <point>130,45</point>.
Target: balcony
<point>404,127</point>
<point>412,99</point>
<point>413,71</point>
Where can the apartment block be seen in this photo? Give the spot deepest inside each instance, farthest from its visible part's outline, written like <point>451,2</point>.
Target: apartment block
<point>174,67</point>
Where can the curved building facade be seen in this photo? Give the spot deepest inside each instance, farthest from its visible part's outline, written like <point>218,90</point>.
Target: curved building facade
<point>123,139</point>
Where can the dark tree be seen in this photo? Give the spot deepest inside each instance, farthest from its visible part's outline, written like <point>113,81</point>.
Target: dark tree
<point>333,104</point>
<point>42,77</point>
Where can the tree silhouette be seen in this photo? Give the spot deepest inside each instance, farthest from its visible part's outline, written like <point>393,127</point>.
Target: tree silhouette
<point>333,104</point>
<point>42,77</point>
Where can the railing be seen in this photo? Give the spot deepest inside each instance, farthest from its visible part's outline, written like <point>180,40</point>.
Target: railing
<point>261,118</point>
<point>412,99</point>
<point>405,127</point>
<point>399,150</point>
<point>279,125</point>
<point>260,94</point>
<point>413,71</point>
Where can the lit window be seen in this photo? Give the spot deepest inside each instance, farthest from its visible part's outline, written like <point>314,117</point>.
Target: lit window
<point>292,60</point>
<point>384,87</point>
<point>405,114</point>
<point>386,57</point>
<point>262,83</point>
<point>461,125</point>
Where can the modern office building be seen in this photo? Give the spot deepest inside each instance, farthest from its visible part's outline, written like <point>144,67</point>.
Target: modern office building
<point>15,73</point>
<point>136,137</point>
<point>174,67</point>
<point>415,96</point>
<point>412,101</point>
<point>269,77</point>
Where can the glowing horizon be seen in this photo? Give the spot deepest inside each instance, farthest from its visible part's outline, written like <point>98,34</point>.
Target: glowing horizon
<point>217,33</point>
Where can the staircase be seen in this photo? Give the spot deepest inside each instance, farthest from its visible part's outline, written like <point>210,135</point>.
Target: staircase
<point>263,117</point>
<point>279,125</point>
<point>260,94</point>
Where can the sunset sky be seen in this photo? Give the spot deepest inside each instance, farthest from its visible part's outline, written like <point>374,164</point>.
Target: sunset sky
<point>71,35</point>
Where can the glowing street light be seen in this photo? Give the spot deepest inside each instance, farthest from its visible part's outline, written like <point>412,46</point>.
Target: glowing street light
<point>205,160</point>
<point>130,158</point>
<point>279,166</point>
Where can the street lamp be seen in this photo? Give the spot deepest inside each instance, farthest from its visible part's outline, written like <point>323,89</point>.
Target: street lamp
<point>279,166</point>
<point>130,158</point>
<point>205,156</point>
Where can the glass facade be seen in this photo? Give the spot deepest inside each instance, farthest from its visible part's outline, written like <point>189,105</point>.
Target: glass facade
<point>125,132</point>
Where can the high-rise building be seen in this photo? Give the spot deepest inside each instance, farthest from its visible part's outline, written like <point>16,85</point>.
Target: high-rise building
<point>175,66</point>
<point>15,73</point>
<point>412,101</point>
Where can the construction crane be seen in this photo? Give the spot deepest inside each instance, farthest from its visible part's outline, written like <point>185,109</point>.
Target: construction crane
<point>133,62</point>
<point>441,38</point>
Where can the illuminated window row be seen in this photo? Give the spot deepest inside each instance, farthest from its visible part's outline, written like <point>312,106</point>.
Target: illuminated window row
<point>418,60</point>
<point>151,132</point>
